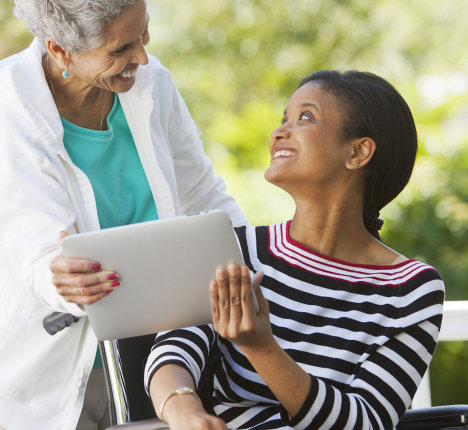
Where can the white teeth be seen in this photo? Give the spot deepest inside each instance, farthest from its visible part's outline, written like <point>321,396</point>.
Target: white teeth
<point>284,153</point>
<point>128,73</point>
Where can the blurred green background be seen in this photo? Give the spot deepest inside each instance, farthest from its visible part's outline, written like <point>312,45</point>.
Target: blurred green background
<point>237,61</point>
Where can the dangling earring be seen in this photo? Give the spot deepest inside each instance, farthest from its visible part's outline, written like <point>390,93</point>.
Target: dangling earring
<point>65,73</point>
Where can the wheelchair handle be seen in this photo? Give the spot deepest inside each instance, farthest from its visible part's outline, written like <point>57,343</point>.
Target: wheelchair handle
<point>57,321</point>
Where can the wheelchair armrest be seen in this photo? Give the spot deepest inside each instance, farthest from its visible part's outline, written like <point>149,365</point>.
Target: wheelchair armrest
<point>152,424</point>
<point>436,417</point>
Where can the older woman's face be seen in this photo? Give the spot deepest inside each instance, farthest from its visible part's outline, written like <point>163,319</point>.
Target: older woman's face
<point>113,66</point>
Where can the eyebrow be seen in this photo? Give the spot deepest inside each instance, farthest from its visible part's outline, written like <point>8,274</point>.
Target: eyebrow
<point>313,105</point>
<point>303,105</point>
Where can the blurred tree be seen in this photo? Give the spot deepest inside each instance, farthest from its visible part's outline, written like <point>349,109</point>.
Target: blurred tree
<point>237,62</point>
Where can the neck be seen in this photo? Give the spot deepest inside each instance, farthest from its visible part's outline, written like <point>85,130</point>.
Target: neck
<point>83,104</point>
<point>330,229</point>
<point>331,224</point>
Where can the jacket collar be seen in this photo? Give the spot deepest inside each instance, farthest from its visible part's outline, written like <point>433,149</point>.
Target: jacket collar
<point>32,93</point>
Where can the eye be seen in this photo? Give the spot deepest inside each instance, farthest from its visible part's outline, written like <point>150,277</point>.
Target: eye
<point>120,50</point>
<point>284,120</point>
<point>306,116</point>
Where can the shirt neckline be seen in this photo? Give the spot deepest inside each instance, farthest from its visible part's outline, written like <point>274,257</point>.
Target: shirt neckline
<point>90,132</point>
<point>288,240</point>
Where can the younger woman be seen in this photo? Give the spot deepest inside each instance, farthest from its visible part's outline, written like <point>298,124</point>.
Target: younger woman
<point>346,326</point>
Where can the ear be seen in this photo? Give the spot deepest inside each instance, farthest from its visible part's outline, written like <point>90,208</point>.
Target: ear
<point>61,57</point>
<point>362,151</point>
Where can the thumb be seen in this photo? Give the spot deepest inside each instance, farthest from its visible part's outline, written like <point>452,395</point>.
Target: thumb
<point>62,235</point>
<point>256,280</point>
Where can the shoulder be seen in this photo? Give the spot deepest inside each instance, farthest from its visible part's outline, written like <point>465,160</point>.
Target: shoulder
<point>8,64</point>
<point>18,63</point>
<point>414,274</point>
<point>422,293</point>
<point>253,242</point>
<point>247,233</point>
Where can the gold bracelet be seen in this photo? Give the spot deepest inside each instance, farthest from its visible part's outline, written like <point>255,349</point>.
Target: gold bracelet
<point>177,392</point>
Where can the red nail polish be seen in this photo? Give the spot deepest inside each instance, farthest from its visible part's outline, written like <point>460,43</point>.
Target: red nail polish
<point>115,283</point>
<point>95,266</point>
<point>112,276</point>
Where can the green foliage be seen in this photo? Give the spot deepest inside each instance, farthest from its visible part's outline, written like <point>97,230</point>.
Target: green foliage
<point>447,374</point>
<point>237,61</point>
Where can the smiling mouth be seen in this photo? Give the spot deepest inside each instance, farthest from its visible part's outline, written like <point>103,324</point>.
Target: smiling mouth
<point>284,153</point>
<point>128,73</point>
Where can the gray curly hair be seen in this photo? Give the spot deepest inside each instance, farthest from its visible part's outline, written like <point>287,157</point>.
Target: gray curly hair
<point>77,26</point>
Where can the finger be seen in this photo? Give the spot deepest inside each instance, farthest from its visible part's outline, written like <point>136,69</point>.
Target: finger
<point>81,280</point>
<point>87,291</point>
<point>73,265</point>
<point>234,275</point>
<point>62,235</point>
<point>223,299</point>
<point>214,299</point>
<point>86,300</point>
<point>257,279</point>
<point>246,293</point>
<point>248,300</point>
<point>262,302</point>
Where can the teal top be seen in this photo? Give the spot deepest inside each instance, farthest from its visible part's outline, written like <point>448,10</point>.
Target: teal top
<point>110,160</point>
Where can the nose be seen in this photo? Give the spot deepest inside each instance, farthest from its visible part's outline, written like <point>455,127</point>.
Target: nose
<point>140,55</point>
<point>281,132</point>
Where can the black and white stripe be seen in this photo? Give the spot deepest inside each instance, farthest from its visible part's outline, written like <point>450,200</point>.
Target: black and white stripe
<point>365,334</point>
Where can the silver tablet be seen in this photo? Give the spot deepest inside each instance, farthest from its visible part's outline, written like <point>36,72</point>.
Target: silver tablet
<point>165,269</point>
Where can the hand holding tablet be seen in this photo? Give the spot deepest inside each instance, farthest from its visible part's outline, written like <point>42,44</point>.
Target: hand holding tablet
<point>165,269</point>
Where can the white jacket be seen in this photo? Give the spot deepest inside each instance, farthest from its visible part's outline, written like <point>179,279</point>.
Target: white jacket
<point>42,377</point>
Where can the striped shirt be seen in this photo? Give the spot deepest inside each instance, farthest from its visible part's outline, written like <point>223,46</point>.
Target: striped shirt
<point>365,335</point>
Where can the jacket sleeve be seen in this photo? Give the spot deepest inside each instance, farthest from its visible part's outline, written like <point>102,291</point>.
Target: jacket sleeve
<point>35,208</point>
<point>198,187</point>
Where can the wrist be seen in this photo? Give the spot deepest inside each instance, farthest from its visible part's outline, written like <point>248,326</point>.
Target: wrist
<point>260,351</point>
<point>181,397</point>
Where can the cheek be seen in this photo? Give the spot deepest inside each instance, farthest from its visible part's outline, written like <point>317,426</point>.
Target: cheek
<point>109,67</point>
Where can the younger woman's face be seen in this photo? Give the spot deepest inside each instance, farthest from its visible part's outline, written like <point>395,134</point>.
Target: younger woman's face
<point>113,66</point>
<point>306,149</point>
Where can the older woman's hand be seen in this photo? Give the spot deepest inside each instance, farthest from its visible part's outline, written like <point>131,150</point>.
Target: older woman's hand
<point>233,308</point>
<point>81,281</point>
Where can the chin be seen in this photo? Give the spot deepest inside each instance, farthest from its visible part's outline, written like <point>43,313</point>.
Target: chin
<point>271,176</point>
<point>122,86</point>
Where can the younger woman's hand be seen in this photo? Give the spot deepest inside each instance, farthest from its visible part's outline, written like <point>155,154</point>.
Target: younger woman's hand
<point>233,309</point>
<point>81,281</point>
<point>187,420</point>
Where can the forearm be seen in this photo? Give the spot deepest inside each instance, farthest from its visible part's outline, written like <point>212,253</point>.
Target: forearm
<point>166,379</point>
<point>286,379</point>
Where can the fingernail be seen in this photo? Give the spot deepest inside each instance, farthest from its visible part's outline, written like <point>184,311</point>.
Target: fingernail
<point>115,283</point>
<point>221,274</point>
<point>95,266</point>
<point>233,270</point>
<point>108,292</point>
<point>112,276</point>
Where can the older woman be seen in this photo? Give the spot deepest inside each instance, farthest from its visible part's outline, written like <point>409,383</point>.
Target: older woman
<point>94,134</point>
<point>346,326</point>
